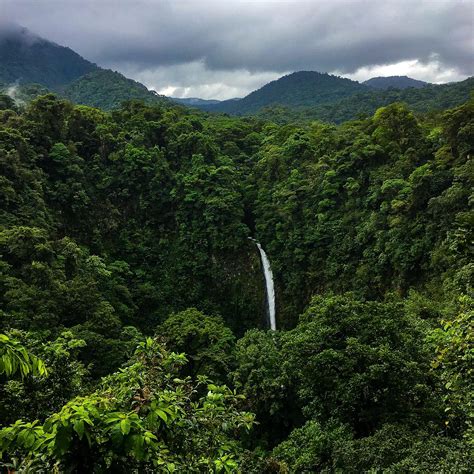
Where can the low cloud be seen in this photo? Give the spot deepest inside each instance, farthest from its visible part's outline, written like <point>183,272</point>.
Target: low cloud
<point>195,80</point>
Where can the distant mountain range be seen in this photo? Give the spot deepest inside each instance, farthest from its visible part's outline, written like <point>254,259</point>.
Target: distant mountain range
<point>395,82</point>
<point>307,95</point>
<point>37,65</point>
<point>194,101</point>
<point>429,98</point>
<point>304,88</point>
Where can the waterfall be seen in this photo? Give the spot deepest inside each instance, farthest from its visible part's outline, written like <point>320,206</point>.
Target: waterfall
<point>270,289</point>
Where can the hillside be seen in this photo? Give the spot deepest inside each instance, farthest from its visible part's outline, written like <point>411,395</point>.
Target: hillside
<point>428,99</point>
<point>303,88</point>
<point>27,58</point>
<point>31,66</point>
<point>395,82</point>
<point>106,89</point>
<point>23,93</point>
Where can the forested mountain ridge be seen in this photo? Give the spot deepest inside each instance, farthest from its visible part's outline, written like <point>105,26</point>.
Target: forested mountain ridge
<point>395,82</point>
<point>194,101</point>
<point>125,237</point>
<point>106,90</point>
<point>26,58</point>
<point>305,96</point>
<point>426,100</point>
<point>302,88</point>
<point>29,63</point>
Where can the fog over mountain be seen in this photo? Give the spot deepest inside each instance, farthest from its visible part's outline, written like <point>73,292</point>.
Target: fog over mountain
<point>27,58</point>
<point>220,50</point>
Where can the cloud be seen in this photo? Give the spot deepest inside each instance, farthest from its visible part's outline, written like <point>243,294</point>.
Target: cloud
<point>13,31</point>
<point>195,80</point>
<point>432,71</point>
<point>228,47</point>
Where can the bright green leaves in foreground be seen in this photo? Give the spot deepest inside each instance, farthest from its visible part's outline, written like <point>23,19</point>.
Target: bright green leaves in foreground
<point>455,362</point>
<point>143,415</point>
<point>15,358</point>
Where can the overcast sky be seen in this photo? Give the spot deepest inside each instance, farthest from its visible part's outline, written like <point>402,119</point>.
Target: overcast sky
<point>227,48</point>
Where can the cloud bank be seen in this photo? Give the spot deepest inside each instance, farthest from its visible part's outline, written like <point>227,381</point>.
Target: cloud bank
<point>222,49</point>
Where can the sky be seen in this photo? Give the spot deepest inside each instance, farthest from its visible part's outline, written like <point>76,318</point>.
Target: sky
<point>222,49</point>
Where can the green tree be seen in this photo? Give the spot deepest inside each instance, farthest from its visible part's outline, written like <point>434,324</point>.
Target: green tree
<point>455,363</point>
<point>359,362</point>
<point>206,340</point>
<point>142,417</point>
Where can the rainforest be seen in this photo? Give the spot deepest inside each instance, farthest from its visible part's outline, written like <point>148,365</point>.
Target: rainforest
<point>134,327</point>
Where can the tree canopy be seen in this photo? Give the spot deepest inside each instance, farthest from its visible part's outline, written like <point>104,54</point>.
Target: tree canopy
<point>134,333</point>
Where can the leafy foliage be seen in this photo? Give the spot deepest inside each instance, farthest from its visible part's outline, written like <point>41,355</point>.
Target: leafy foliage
<point>455,356</point>
<point>207,342</point>
<point>14,358</point>
<point>116,225</point>
<point>143,415</point>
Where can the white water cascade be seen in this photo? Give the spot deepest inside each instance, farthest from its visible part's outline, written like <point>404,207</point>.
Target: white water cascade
<point>267,271</point>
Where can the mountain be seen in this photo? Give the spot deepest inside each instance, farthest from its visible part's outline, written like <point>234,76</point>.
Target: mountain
<point>429,98</point>
<point>26,58</point>
<point>194,101</point>
<point>31,66</point>
<point>303,88</point>
<point>395,82</point>
<point>106,89</point>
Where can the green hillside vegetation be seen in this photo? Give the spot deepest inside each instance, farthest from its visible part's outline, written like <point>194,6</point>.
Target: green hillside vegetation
<point>303,88</point>
<point>31,66</point>
<point>28,59</point>
<point>103,89</point>
<point>133,334</point>
<point>106,89</point>
<point>395,82</point>
<point>19,95</point>
<point>423,100</point>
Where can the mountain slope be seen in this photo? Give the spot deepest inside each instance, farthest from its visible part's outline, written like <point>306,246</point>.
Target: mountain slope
<point>396,82</point>
<point>107,89</point>
<point>30,66</point>
<point>303,88</point>
<point>430,98</point>
<point>27,58</point>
